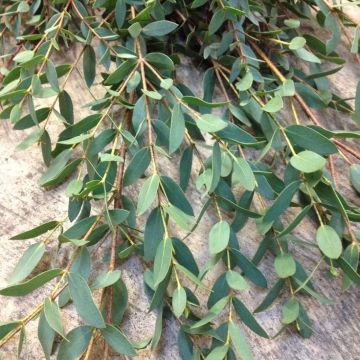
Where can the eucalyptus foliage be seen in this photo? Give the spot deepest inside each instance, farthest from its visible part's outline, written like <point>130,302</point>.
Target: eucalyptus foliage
<point>264,158</point>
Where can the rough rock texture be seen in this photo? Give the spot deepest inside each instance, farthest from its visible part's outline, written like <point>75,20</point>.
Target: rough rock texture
<point>23,205</point>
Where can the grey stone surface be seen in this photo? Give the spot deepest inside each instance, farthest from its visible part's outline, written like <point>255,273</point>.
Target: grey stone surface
<point>23,204</point>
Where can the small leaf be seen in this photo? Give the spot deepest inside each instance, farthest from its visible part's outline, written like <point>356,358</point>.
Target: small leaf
<point>148,193</point>
<point>271,296</point>
<point>219,237</point>
<point>285,265</point>
<point>243,175</point>
<point>246,82</point>
<point>29,286</point>
<point>290,311</point>
<point>296,43</point>
<point>218,353</point>
<point>75,343</point>
<point>31,139</point>
<point>137,166</point>
<point>52,76</point>
<point>159,28</point>
<point>5,328</point>
<point>177,129</point>
<point>117,340</point>
<point>210,123</point>
<point>24,56</point>
<point>53,316</point>
<point>179,301</point>
<point>307,161</point>
<point>106,279</point>
<point>36,231</point>
<point>240,344</point>
<point>355,176</point>
<point>248,318</point>
<point>27,262</point>
<point>120,12</point>
<point>328,241</point>
<point>89,65</point>
<point>162,261</point>
<point>282,202</point>
<point>236,281</point>
<point>83,300</point>
<point>274,105</point>
<point>46,335</point>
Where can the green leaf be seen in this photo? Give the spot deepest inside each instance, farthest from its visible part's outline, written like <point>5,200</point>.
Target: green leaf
<point>246,82</point>
<point>162,260</point>
<point>249,268</point>
<point>274,105</point>
<point>75,343</point>
<point>310,139</point>
<point>5,328</point>
<point>297,43</point>
<point>328,241</point>
<point>106,279</point>
<point>135,30</point>
<point>66,107</point>
<point>29,286</point>
<point>177,129</point>
<point>195,101</point>
<point>175,195</point>
<point>83,300</point>
<point>36,231</point>
<point>46,335</point>
<point>52,76</point>
<point>271,296</point>
<point>152,94</point>
<point>148,193</point>
<point>290,311</point>
<point>76,139</point>
<point>236,281</point>
<point>282,202</point>
<point>121,72</point>
<point>53,316</point>
<point>355,176</point>
<point>117,340</point>
<point>56,167</point>
<point>212,314</point>
<point>218,353</point>
<point>166,83</point>
<point>24,56</point>
<point>210,123</point>
<point>307,56</point>
<point>219,237</point>
<point>154,233</point>
<point>285,265</point>
<point>27,121</point>
<point>349,271</point>
<point>182,219</point>
<point>216,21</point>
<point>240,344</point>
<point>31,139</point>
<point>117,216</point>
<point>215,168</point>
<point>137,166</point>
<point>89,65</point>
<point>179,301</point>
<point>27,262</point>
<point>248,318</point>
<point>307,161</point>
<point>299,217</point>
<point>159,28</point>
<point>243,175</point>
<point>120,12</point>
